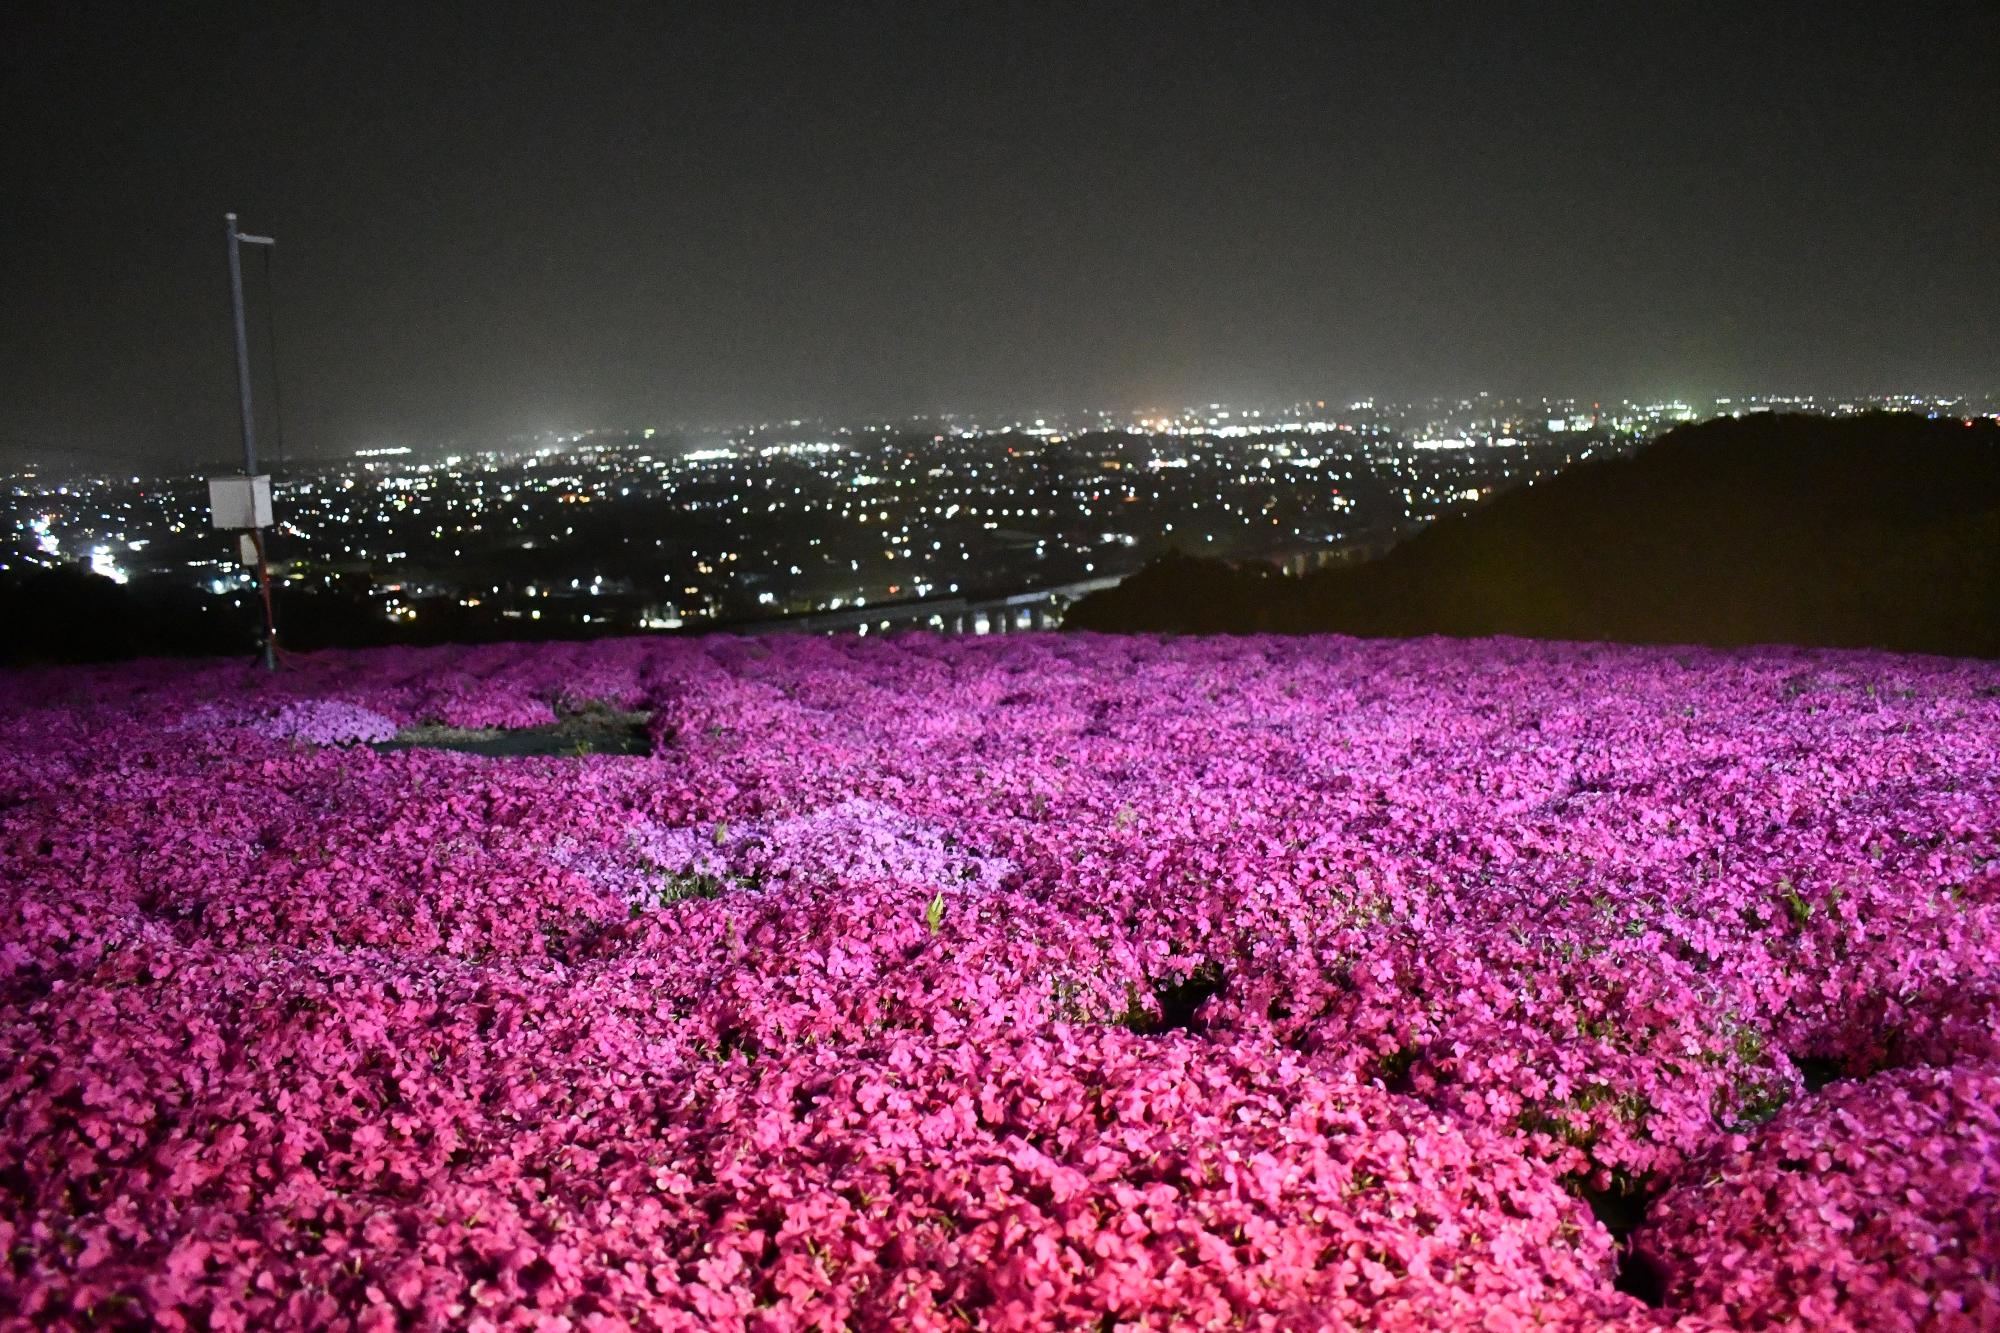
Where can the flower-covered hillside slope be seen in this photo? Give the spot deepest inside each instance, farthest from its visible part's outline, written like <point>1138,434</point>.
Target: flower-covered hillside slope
<point>1036,983</point>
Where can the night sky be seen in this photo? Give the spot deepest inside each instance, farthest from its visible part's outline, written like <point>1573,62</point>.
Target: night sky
<point>496,218</point>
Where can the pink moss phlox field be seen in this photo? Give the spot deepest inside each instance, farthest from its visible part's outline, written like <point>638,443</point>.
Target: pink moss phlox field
<point>1876,1204</point>
<point>1045,982</point>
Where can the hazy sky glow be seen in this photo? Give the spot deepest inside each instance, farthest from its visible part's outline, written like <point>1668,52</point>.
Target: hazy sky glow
<point>496,217</point>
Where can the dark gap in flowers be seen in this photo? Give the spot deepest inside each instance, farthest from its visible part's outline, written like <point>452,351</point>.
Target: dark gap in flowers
<point>570,941</point>
<point>1396,1071</point>
<point>1176,1003</point>
<point>1640,1275</point>
<point>730,1040</point>
<point>591,730</point>
<point>535,1274</point>
<point>1621,1208</point>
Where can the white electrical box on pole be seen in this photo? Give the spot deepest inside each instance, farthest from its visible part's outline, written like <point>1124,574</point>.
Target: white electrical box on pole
<point>243,504</point>
<point>239,502</point>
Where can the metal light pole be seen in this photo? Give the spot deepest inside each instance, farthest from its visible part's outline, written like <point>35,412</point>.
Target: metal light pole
<point>237,240</point>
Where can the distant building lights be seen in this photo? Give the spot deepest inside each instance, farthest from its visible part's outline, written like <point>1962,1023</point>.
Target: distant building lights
<point>102,565</point>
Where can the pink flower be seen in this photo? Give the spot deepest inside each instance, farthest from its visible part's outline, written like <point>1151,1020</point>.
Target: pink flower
<point>1021,985</point>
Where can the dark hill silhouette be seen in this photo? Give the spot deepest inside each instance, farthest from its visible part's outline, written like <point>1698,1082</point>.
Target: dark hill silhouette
<point>1875,531</point>
<point>68,614</point>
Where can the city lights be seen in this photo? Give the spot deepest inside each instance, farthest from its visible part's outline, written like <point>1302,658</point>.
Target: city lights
<point>800,519</point>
